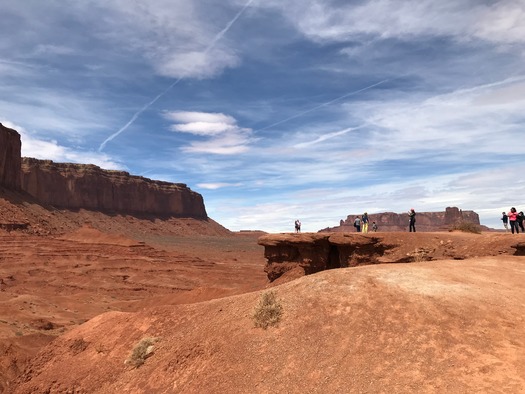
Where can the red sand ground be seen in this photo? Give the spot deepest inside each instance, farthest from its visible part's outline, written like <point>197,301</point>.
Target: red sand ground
<point>74,305</point>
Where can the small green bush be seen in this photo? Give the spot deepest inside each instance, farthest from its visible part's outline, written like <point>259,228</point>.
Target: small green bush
<point>268,312</point>
<point>141,352</point>
<point>467,227</point>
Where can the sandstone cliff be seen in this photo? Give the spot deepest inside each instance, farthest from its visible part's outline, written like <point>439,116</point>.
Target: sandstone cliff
<point>425,221</point>
<point>87,186</point>
<point>76,186</point>
<point>10,156</point>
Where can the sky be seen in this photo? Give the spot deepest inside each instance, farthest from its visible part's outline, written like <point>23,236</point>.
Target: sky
<point>279,110</point>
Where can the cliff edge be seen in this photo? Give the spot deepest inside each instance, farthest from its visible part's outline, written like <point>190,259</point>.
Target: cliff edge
<point>86,186</point>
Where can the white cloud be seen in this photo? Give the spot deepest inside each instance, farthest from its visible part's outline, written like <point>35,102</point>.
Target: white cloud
<point>177,37</point>
<point>193,116</point>
<point>52,150</point>
<point>196,64</point>
<point>225,137</point>
<point>218,185</point>
<point>203,128</point>
<point>201,123</point>
<point>501,22</point>
<point>464,121</point>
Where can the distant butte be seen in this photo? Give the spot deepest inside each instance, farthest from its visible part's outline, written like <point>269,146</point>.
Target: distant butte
<point>425,221</point>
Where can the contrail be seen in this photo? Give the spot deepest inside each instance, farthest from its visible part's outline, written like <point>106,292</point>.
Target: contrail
<point>329,136</point>
<point>210,47</point>
<point>323,105</point>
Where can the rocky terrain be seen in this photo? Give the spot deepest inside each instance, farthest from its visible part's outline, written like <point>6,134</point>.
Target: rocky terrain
<point>290,256</point>
<point>124,300</point>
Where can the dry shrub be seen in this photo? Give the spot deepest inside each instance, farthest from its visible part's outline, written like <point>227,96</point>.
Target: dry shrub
<point>419,255</point>
<point>141,352</point>
<point>466,227</point>
<point>268,312</point>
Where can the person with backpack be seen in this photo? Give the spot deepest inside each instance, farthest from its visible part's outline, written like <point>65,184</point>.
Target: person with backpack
<point>513,222</point>
<point>412,220</point>
<point>505,219</point>
<point>519,219</point>
<point>357,224</point>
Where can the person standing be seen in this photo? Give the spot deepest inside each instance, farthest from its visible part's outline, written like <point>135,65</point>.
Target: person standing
<point>513,216</point>
<point>297,226</point>
<point>505,220</point>
<point>374,227</point>
<point>357,224</point>
<point>519,219</point>
<point>412,220</point>
<point>364,220</point>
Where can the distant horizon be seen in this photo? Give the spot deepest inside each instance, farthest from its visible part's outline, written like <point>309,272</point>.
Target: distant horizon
<point>277,110</point>
<point>246,230</point>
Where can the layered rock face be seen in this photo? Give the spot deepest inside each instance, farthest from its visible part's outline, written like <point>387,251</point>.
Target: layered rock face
<point>10,158</point>
<point>290,256</point>
<point>87,186</point>
<point>425,221</point>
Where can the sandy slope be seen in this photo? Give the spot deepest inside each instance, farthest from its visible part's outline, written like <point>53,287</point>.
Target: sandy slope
<point>442,326</point>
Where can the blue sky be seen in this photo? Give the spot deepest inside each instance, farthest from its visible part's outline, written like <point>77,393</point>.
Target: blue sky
<point>277,110</point>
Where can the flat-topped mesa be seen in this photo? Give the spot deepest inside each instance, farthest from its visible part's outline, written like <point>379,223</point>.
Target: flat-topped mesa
<point>75,186</point>
<point>425,221</point>
<point>10,158</point>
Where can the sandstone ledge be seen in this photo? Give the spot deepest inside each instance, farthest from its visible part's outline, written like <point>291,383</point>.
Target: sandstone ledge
<point>292,255</point>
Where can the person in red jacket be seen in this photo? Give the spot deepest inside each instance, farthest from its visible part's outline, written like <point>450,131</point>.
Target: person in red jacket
<point>513,222</point>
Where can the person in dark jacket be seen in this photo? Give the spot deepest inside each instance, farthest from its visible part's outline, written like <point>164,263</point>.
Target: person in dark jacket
<point>357,224</point>
<point>412,220</point>
<point>505,220</point>
<point>519,220</point>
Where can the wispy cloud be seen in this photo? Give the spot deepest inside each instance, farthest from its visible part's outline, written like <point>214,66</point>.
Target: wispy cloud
<point>500,22</point>
<point>48,149</point>
<point>198,63</point>
<point>224,136</point>
<point>218,185</point>
<point>312,109</point>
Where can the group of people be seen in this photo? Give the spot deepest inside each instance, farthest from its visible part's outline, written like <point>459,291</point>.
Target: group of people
<point>361,224</point>
<point>513,219</point>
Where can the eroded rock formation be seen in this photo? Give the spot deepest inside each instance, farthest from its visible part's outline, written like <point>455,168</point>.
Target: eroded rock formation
<point>295,255</point>
<point>425,221</point>
<point>75,186</point>
<point>87,186</point>
<point>10,158</point>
